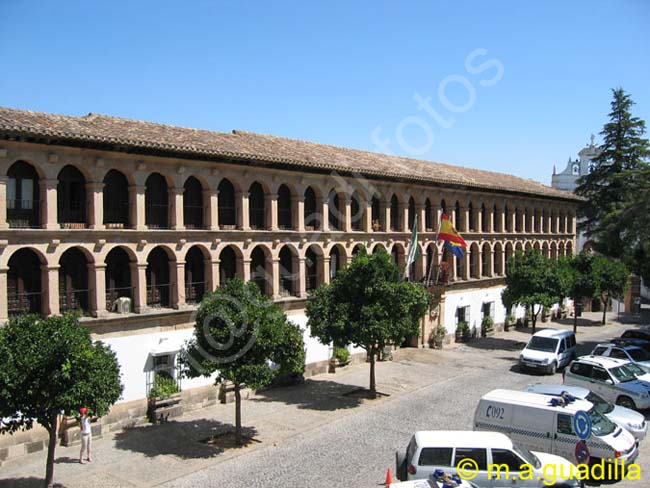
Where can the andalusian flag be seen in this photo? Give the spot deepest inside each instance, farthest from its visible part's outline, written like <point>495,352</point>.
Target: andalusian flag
<point>414,250</point>
<point>453,241</point>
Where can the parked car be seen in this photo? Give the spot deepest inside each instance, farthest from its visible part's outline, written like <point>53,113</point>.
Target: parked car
<point>548,350</point>
<point>628,341</point>
<point>540,423</point>
<point>429,451</point>
<point>626,418</point>
<point>439,479</point>
<point>616,380</point>
<point>636,334</point>
<point>633,354</point>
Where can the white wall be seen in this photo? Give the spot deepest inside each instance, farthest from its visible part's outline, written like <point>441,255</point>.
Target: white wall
<point>315,350</point>
<point>474,299</point>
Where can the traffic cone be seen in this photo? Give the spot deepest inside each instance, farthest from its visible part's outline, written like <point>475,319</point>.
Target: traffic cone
<point>389,478</point>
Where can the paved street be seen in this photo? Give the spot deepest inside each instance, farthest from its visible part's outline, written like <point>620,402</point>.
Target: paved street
<point>314,435</point>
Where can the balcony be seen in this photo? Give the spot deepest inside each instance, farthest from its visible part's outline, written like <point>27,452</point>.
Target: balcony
<point>193,216</point>
<point>158,296</point>
<point>23,214</point>
<point>194,292</point>
<point>27,302</point>
<point>74,300</point>
<point>112,295</point>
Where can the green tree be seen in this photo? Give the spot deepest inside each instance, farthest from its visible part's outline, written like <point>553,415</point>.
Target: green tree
<point>245,338</point>
<point>368,304</point>
<point>49,366</point>
<point>531,281</point>
<point>610,277</point>
<point>577,280</point>
<point>609,216</point>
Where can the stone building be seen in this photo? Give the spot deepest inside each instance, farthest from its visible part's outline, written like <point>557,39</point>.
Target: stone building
<point>132,222</point>
<point>581,166</point>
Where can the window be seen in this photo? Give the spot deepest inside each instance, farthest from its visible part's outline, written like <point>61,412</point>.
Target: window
<point>599,351</point>
<point>581,369</point>
<point>599,374</point>
<point>478,455</point>
<point>435,456</point>
<point>509,458</point>
<point>562,346</point>
<point>487,310</point>
<point>164,365</point>
<point>462,314</point>
<point>565,424</point>
<point>618,354</point>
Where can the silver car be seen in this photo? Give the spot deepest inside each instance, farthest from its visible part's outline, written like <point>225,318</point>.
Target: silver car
<point>628,419</point>
<point>634,354</point>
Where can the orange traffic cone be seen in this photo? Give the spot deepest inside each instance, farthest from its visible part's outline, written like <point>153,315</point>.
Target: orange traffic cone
<point>389,478</point>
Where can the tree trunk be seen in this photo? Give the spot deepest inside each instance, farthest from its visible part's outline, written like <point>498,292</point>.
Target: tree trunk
<point>604,301</point>
<point>575,317</point>
<point>373,385</point>
<point>51,446</point>
<point>238,414</point>
<point>533,319</point>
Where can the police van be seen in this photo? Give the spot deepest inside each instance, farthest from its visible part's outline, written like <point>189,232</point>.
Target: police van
<point>545,423</point>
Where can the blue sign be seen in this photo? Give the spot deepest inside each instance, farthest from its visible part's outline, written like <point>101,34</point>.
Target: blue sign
<point>582,425</point>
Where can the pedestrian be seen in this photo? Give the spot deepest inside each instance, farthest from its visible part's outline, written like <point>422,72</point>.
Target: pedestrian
<point>86,435</point>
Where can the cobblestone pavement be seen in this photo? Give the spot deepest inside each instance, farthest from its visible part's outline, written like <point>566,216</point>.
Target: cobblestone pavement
<point>314,435</point>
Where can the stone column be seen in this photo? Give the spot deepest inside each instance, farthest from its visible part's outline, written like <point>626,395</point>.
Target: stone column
<point>95,197</point>
<point>50,286</point>
<point>212,273</point>
<point>275,265</point>
<point>137,207</point>
<point>326,269</point>
<point>241,212</point>
<point>176,211</point>
<point>177,279</point>
<point>49,209</point>
<point>387,219</point>
<point>420,211</point>
<point>246,263</point>
<point>298,213</point>
<point>139,282</point>
<point>346,215</point>
<point>464,210</point>
<point>404,212</point>
<point>211,204</point>
<point>271,212</point>
<point>366,224</point>
<point>302,278</point>
<point>325,210</point>
<point>97,285</point>
<point>3,206</point>
<point>4,306</point>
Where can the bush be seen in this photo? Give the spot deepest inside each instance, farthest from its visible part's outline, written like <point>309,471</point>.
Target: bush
<point>462,331</point>
<point>341,354</point>
<point>487,323</point>
<point>163,387</point>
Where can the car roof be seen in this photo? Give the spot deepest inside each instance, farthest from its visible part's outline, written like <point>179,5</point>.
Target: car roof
<point>462,438</point>
<point>536,400</point>
<point>625,347</point>
<point>604,361</point>
<point>552,333</point>
<point>555,389</point>
<point>645,332</point>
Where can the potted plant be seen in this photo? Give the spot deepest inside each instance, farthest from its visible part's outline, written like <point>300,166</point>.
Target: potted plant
<point>164,399</point>
<point>437,337</point>
<point>487,326</point>
<point>462,332</point>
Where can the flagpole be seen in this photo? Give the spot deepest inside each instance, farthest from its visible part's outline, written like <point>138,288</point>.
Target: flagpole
<point>436,241</point>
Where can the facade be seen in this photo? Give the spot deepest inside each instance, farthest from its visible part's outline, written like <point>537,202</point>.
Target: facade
<point>581,166</point>
<point>132,222</point>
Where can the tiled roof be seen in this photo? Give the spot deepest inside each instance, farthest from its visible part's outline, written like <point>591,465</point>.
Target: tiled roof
<point>123,133</point>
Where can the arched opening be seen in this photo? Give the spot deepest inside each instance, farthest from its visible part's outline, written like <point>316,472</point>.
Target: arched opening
<point>568,249</point>
<point>336,216</point>
<point>497,218</point>
<point>227,265</point>
<point>561,223</point>
<point>256,207</point>
<point>498,259</point>
<point>310,213</point>
<point>447,264</point>
<point>443,206</point>
<point>194,275</point>
<point>227,214</point>
<point>545,250</point>
<point>356,250</point>
<point>528,246</point>
<point>116,200</point>
<point>535,221</point>
<point>560,250</point>
<point>460,267</point>
<point>313,268</point>
<point>544,222</point>
<point>507,223</point>
<point>472,217</point>
<point>526,226</point>
<point>24,289</point>
<point>414,269</point>
<point>23,196</point>
<point>485,219</point>
<point>287,272</point>
<point>356,213</point>
<point>411,213</point>
<point>156,202</point>
<point>428,216</point>
<point>378,248</point>
<point>158,280</point>
<point>336,261</point>
<point>486,261</point>
<point>71,198</point>
<point>431,270</point>
<point>473,261</point>
<point>193,204</point>
<point>458,217</point>
<point>73,282</point>
<point>118,278</point>
<point>377,215</point>
<point>518,227</point>
<point>553,251</point>
<point>510,252</point>
<point>398,255</point>
<point>260,271</point>
<point>395,221</point>
<point>285,216</point>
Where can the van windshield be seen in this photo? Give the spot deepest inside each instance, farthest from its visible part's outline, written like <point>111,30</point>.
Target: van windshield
<point>528,456</point>
<point>545,344</point>
<point>626,372</point>
<point>638,354</point>
<point>600,425</point>
<point>601,405</point>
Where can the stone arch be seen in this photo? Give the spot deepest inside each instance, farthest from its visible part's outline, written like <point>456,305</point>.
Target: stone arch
<point>338,259</point>
<point>230,264</point>
<point>285,207</point>
<point>314,267</point>
<point>24,282</point>
<point>193,207</point>
<point>378,215</point>
<point>411,213</point>
<point>560,249</point>
<point>71,197</point>
<point>227,211</point>
<point>357,213</point>
<point>568,250</point>
<point>119,262</point>
<point>261,269</point>
<point>257,206</point>
<point>509,253</point>
<point>474,259</point>
<point>312,215</point>
<point>159,277</point>
<point>443,207</point>
<point>398,254</point>
<point>471,217</point>
<point>156,202</point>
<point>429,220</point>
<point>486,261</point>
<point>553,250</point>
<point>23,195</point>
<point>74,290</point>
<point>356,250</point>
<point>378,246</point>
<point>116,200</point>
<point>289,272</point>
<point>336,210</point>
<point>498,259</point>
<point>458,217</point>
<point>545,250</point>
<point>395,217</point>
<point>197,260</point>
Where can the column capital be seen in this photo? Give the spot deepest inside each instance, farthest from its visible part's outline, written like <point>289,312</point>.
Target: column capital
<point>95,185</point>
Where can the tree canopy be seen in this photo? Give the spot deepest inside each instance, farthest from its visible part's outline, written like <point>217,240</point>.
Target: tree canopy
<point>244,338</point>
<point>610,278</point>
<point>531,280</point>
<point>615,213</point>
<point>49,366</point>
<point>369,305</point>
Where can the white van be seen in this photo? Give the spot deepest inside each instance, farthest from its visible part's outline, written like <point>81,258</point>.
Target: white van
<point>541,422</point>
<point>443,450</point>
<point>548,350</point>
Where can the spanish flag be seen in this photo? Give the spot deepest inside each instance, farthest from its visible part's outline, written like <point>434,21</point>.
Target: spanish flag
<point>448,233</point>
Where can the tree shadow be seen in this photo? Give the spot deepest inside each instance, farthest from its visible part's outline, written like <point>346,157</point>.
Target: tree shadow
<point>496,344</point>
<point>30,482</point>
<point>66,460</point>
<point>313,395</point>
<point>183,439</point>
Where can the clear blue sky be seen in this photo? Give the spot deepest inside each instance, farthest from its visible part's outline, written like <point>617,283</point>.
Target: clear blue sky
<point>334,71</point>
